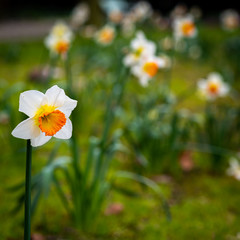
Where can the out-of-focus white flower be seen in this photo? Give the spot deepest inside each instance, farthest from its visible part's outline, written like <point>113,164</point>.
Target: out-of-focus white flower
<point>140,48</point>
<point>196,12</point>
<point>234,168</point>
<point>213,86</point>
<point>167,43</point>
<point>179,11</point>
<point>116,16</point>
<point>127,25</point>
<point>230,19</point>
<point>59,39</point>
<point>48,116</point>
<point>147,68</point>
<point>142,10</point>
<point>89,31</point>
<point>195,52</point>
<point>80,15</point>
<point>106,35</point>
<point>184,27</point>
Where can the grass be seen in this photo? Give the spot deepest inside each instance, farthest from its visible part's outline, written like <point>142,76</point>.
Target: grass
<point>203,205</point>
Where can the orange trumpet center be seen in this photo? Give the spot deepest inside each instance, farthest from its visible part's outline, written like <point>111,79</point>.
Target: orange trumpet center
<point>150,68</point>
<point>106,36</point>
<point>188,28</point>
<point>49,120</point>
<point>62,46</point>
<point>213,88</point>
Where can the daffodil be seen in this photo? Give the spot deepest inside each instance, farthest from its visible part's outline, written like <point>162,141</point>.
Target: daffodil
<point>147,69</point>
<point>140,48</point>
<point>230,19</point>
<point>184,27</point>
<point>106,35</point>
<point>48,116</point>
<point>213,86</point>
<point>234,168</point>
<point>59,39</point>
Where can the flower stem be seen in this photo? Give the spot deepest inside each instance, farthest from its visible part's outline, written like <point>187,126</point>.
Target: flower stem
<point>27,220</point>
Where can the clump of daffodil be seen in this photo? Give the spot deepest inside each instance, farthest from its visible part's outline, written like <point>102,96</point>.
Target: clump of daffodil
<point>213,87</point>
<point>142,59</point>
<point>105,35</point>
<point>48,116</point>
<point>59,39</point>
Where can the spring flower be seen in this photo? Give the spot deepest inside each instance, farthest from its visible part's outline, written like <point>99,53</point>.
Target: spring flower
<point>105,35</point>
<point>147,69</point>
<point>184,27</point>
<point>59,39</point>
<point>213,86</point>
<point>115,16</point>
<point>140,48</point>
<point>80,15</point>
<point>230,19</point>
<point>234,168</point>
<point>48,116</point>
<point>142,10</point>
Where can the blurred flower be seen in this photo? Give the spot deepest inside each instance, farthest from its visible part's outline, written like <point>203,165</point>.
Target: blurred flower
<point>4,117</point>
<point>195,52</point>
<point>127,25</point>
<point>80,15</point>
<point>234,168</point>
<point>48,116</point>
<point>89,31</point>
<point>140,48</point>
<point>114,209</point>
<point>147,69</point>
<point>115,16</point>
<point>230,19</point>
<point>196,12</point>
<point>213,86</point>
<point>167,43</point>
<point>186,161</point>
<point>179,11</point>
<point>59,39</point>
<point>184,27</point>
<point>105,35</point>
<point>142,10</point>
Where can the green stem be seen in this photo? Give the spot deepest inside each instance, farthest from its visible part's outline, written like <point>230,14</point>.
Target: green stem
<point>27,220</point>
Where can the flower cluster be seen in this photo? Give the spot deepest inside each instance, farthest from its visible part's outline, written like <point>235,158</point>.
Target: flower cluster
<point>142,59</point>
<point>59,39</point>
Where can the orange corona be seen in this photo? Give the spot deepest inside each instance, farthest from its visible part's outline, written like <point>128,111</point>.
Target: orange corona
<point>150,68</point>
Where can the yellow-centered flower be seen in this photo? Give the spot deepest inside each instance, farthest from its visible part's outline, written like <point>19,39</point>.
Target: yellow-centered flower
<point>48,116</point>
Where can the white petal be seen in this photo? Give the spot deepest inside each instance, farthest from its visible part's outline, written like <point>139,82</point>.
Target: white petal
<point>66,131</point>
<point>27,129</point>
<point>40,140</point>
<point>30,101</point>
<point>68,106</point>
<point>54,96</point>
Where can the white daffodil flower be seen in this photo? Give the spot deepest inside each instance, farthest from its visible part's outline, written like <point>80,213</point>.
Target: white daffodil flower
<point>105,35</point>
<point>230,19</point>
<point>59,39</point>
<point>184,27</point>
<point>140,48</point>
<point>213,86</point>
<point>48,116</point>
<point>234,168</point>
<point>147,69</point>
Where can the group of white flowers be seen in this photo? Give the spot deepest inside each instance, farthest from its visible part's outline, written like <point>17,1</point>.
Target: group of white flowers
<point>142,59</point>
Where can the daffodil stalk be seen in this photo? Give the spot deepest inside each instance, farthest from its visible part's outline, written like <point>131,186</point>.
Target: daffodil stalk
<point>27,219</point>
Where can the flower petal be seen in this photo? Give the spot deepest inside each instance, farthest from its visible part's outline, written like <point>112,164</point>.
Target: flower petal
<point>27,129</point>
<point>54,96</point>
<point>66,131</point>
<point>29,102</point>
<point>40,140</point>
<point>68,106</point>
